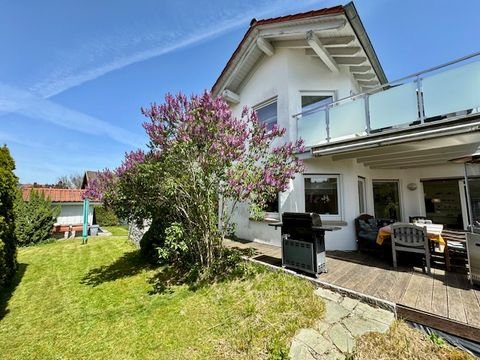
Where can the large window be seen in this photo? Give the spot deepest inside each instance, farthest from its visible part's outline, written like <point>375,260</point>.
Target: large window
<point>313,101</point>
<point>443,204</point>
<point>267,113</point>
<point>322,194</point>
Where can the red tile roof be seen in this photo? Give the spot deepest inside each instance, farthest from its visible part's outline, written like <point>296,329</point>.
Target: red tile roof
<point>254,23</point>
<point>325,11</point>
<point>55,195</point>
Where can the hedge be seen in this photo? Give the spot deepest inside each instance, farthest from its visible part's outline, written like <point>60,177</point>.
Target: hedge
<point>8,241</point>
<point>105,217</point>
<point>34,219</point>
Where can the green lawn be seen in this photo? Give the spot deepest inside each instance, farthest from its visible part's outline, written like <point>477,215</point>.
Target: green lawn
<point>95,301</point>
<point>117,230</point>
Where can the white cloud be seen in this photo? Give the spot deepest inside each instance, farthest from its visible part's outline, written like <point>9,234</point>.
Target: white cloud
<point>100,56</point>
<point>104,55</point>
<point>7,138</point>
<point>35,107</point>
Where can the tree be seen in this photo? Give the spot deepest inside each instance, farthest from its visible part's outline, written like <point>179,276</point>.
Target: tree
<point>35,218</point>
<point>200,164</point>
<point>72,181</point>
<point>8,241</point>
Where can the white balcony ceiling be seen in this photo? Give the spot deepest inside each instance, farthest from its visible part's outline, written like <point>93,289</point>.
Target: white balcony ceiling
<point>420,153</point>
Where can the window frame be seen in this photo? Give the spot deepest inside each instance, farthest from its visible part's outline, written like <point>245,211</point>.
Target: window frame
<point>266,103</point>
<point>363,180</point>
<point>273,214</point>
<point>328,217</point>
<point>331,93</point>
<point>400,194</point>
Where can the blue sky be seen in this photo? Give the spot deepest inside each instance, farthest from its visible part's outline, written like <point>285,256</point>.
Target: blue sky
<point>74,74</point>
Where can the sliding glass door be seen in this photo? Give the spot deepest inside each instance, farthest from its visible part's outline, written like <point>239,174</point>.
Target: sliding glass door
<point>443,202</point>
<point>472,175</point>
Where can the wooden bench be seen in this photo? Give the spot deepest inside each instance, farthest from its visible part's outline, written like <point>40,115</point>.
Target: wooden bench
<point>67,230</point>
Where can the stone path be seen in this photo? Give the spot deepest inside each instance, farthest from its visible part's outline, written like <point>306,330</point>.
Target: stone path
<point>333,337</point>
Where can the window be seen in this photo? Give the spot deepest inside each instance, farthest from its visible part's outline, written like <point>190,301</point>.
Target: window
<point>272,206</point>
<point>362,204</point>
<point>386,199</point>
<point>267,113</point>
<point>310,102</point>
<point>322,194</point>
<point>443,203</point>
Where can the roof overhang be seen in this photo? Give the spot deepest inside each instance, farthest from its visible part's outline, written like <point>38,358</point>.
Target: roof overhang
<point>335,35</point>
<point>416,146</point>
<point>91,202</point>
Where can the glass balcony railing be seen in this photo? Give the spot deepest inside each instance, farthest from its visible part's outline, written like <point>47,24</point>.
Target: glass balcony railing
<point>452,89</point>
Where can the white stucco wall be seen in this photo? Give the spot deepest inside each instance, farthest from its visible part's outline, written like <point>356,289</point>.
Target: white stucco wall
<point>286,75</point>
<point>72,214</point>
<point>411,202</point>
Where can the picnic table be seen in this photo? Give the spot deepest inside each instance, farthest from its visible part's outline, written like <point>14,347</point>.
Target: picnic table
<point>434,233</point>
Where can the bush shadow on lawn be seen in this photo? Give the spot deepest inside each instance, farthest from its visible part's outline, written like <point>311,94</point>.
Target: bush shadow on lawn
<point>7,292</point>
<point>166,277</point>
<point>127,265</point>
<point>232,267</point>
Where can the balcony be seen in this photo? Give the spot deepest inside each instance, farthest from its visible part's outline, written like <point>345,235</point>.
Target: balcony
<point>447,92</point>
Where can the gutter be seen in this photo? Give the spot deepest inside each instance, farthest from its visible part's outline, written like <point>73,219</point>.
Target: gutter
<point>362,36</point>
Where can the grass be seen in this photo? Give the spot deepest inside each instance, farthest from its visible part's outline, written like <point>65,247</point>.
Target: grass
<point>95,301</point>
<point>403,342</point>
<point>117,230</point>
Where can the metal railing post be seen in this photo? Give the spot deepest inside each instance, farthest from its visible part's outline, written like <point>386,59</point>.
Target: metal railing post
<point>421,110</point>
<point>296,128</point>
<point>327,123</point>
<point>367,113</point>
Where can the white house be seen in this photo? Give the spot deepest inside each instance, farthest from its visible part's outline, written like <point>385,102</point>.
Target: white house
<point>70,202</point>
<point>372,146</point>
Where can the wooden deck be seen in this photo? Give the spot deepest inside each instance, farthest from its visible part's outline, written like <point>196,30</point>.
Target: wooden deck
<point>445,294</point>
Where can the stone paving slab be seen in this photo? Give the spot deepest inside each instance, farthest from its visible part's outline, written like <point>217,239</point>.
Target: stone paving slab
<point>333,337</point>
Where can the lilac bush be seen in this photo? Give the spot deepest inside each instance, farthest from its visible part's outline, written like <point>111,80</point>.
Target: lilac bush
<point>200,164</point>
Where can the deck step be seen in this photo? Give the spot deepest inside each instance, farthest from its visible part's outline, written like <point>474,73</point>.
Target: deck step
<point>441,323</point>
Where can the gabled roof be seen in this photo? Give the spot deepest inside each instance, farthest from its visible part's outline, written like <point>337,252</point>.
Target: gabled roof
<point>88,177</point>
<point>55,195</point>
<point>337,31</point>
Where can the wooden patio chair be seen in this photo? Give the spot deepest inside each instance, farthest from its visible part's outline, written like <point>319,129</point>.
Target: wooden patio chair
<point>410,238</point>
<point>455,250</point>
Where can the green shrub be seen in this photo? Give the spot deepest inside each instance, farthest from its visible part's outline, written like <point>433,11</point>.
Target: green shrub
<point>153,238</point>
<point>105,217</point>
<point>174,248</point>
<point>35,218</point>
<point>8,242</point>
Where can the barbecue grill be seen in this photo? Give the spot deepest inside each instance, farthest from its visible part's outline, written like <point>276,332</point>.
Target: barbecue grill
<point>303,242</point>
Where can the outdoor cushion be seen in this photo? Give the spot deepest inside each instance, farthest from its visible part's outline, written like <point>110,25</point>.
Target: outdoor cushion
<point>370,236</point>
<point>368,226</point>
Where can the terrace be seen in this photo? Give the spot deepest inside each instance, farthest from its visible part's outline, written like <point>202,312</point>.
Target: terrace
<point>442,300</point>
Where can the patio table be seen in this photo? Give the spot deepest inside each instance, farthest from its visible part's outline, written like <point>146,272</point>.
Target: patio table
<point>434,233</point>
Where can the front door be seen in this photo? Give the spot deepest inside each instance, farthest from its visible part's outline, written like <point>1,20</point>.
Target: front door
<point>443,202</point>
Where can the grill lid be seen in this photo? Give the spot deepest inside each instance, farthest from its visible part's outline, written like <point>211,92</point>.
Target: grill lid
<point>299,225</point>
<point>312,219</point>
